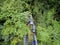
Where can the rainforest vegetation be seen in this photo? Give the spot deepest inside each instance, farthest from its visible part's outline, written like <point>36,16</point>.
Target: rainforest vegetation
<point>14,15</point>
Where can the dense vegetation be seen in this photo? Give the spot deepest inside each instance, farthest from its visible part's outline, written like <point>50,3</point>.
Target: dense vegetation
<point>14,14</point>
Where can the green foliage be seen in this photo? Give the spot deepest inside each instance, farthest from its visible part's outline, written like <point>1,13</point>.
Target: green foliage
<point>14,14</point>
<point>47,27</point>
